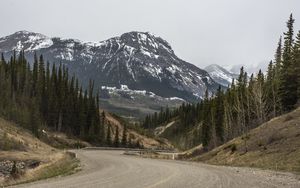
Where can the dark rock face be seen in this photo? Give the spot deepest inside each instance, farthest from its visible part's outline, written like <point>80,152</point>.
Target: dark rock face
<point>139,60</point>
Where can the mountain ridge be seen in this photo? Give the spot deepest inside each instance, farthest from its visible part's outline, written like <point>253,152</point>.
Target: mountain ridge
<point>220,74</point>
<point>139,60</point>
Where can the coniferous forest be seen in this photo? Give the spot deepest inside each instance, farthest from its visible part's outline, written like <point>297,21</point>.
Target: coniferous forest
<point>247,103</point>
<point>39,96</point>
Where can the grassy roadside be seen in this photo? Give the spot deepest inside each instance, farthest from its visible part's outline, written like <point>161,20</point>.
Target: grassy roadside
<point>275,145</point>
<point>65,166</point>
<point>19,145</point>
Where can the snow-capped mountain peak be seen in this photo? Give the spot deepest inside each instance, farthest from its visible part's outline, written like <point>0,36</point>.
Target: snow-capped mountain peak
<point>25,40</point>
<point>139,60</point>
<point>220,74</point>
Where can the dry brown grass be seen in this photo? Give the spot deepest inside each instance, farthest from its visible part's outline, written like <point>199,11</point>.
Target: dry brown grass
<point>33,149</point>
<point>273,145</point>
<point>144,140</point>
<point>62,141</point>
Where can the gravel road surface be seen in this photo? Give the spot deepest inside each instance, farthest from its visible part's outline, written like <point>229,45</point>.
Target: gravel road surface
<point>101,169</point>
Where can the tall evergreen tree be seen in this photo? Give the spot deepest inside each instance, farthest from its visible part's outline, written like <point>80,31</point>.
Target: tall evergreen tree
<point>116,141</point>
<point>206,128</point>
<point>108,136</point>
<point>124,136</point>
<point>288,81</point>
<point>296,57</point>
<point>219,115</point>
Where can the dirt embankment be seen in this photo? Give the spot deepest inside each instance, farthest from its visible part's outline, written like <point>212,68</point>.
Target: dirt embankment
<point>25,158</point>
<point>273,145</point>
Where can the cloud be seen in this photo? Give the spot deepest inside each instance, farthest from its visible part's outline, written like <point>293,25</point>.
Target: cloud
<point>200,32</point>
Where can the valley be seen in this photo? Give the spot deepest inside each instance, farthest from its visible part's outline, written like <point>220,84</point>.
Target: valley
<point>150,94</point>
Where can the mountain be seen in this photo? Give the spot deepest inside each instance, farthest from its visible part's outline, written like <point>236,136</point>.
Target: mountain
<point>250,69</point>
<point>137,60</point>
<point>220,74</point>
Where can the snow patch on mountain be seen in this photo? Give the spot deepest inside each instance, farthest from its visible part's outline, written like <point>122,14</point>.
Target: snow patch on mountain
<point>140,60</point>
<point>220,74</point>
<point>175,98</point>
<point>125,89</point>
<point>19,46</point>
<point>38,42</point>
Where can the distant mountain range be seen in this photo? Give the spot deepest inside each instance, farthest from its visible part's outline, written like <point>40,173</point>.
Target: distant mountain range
<point>250,69</point>
<point>137,61</point>
<point>220,74</point>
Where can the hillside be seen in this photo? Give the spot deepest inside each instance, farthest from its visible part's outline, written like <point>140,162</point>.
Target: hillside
<point>273,145</point>
<point>34,159</point>
<point>135,136</point>
<point>181,137</point>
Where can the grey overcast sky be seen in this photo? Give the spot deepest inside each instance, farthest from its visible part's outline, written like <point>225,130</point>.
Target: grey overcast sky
<point>202,32</point>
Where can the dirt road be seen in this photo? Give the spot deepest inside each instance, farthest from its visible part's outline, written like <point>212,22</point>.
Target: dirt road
<point>112,169</point>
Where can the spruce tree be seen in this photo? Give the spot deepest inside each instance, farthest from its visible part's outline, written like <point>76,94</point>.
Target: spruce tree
<point>116,141</point>
<point>219,115</point>
<point>206,129</point>
<point>276,80</point>
<point>35,76</point>
<point>288,81</point>
<point>108,136</point>
<point>296,57</point>
<point>124,136</point>
<point>270,95</point>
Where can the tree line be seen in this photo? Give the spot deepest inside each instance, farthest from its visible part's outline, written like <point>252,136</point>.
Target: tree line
<point>248,102</point>
<point>39,96</point>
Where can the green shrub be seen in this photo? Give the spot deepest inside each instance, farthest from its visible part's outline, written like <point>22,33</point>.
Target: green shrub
<point>7,144</point>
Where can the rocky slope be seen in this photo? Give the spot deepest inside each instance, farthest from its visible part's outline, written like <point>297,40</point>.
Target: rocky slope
<point>220,74</point>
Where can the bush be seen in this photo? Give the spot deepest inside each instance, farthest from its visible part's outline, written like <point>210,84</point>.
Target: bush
<point>7,144</point>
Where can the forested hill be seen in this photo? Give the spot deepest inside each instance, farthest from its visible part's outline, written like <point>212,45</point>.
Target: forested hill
<point>249,102</point>
<point>43,97</point>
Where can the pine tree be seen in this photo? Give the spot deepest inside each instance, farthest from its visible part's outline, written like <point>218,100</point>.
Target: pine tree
<point>206,129</point>
<point>288,81</point>
<point>296,57</point>
<point>270,89</point>
<point>116,141</point>
<point>102,124</point>
<point>259,98</point>
<point>219,115</point>
<point>108,136</point>
<point>124,136</point>
<point>35,75</point>
<point>34,120</point>
<point>276,80</point>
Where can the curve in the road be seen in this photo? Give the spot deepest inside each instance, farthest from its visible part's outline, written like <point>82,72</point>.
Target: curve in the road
<point>111,169</point>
